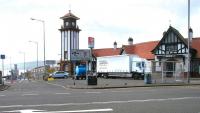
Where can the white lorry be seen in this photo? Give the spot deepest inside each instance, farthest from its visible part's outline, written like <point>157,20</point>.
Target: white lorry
<point>123,66</point>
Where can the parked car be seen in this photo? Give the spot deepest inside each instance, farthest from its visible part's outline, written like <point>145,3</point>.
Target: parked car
<point>60,74</point>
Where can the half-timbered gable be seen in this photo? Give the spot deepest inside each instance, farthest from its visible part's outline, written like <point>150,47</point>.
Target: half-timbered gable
<point>173,47</point>
<point>171,44</point>
<point>171,50</point>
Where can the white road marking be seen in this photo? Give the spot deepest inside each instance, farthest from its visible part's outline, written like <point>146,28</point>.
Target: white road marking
<point>80,111</point>
<point>29,94</point>
<point>57,85</point>
<point>72,111</point>
<point>121,91</point>
<point>24,111</point>
<point>94,103</point>
<point>193,87</point>
<point>2,95</point>
<point>21,81</point>
<point>63,93</point>
<point>93,92</point>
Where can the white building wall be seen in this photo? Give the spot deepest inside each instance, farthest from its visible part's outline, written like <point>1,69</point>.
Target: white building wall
<point>68,45</point>
<point>69,41</point>
<point>62,45</point>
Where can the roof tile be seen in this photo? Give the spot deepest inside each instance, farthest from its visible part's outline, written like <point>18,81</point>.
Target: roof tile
<point>141,49</point>
<point>106,52</point>
<point>196,45</point>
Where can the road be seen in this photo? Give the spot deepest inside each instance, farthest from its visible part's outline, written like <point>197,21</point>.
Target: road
<point>42,97</point>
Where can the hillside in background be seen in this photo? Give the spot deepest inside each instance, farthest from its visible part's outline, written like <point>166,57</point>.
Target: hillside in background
<point>28,65</point>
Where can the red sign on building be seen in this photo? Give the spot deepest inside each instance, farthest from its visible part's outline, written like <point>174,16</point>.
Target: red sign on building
<point>90,42</point>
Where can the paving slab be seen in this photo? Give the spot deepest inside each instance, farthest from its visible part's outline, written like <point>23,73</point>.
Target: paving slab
<point>123,83</point>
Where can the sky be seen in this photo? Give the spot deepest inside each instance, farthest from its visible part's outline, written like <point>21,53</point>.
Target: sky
<point>105,20</point>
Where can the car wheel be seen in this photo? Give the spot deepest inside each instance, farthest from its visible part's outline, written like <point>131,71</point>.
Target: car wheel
<point>65,77</point>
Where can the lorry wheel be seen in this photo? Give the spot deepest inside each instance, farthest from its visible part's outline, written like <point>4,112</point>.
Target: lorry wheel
<point>142,77</point>
<point>135,77</point>
<point>99,75</point>
<point>132,76</point>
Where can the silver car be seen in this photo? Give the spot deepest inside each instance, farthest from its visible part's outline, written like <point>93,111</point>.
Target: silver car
<point>60,74</point>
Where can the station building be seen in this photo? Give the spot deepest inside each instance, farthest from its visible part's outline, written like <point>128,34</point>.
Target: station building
<point>172,47</point>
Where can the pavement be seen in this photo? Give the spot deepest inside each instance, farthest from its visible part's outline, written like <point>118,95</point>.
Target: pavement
<point>103,83</point>
<point>4,87</point>
<point>126,83</point>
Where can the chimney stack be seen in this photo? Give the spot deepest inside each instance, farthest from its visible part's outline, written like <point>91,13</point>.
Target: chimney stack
<point>115,45</point>
<point>130,41</point>
<point>191,34</point>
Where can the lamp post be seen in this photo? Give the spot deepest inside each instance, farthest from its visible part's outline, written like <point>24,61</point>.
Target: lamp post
<point>2,74</point>
<point>188,73</point>
<point>35,42</point>
<point>43,22</point>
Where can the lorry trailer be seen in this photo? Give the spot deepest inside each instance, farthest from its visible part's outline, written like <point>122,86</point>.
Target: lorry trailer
<point>123,66</point>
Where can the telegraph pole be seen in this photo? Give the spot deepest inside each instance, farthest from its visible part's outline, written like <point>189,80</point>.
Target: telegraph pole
<point>188,73</point>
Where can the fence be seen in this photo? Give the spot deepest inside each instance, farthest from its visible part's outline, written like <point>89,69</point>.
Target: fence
<point>168,72</point>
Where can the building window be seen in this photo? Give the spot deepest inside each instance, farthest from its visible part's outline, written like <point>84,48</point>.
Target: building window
<point>171,49</point>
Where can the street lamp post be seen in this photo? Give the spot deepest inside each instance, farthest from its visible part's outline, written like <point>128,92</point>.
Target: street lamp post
<point>35,42</point>
<point>43,22</point>
<point>2,74</point>
<point>188,73</point>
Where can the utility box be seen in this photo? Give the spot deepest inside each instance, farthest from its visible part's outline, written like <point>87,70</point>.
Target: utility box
<point>92,80</point>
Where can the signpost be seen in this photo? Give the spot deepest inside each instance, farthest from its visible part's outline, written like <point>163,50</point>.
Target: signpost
<point>2,74</point>
<point>92,80</point>
<point>80,54</point>
<point>90,42</point>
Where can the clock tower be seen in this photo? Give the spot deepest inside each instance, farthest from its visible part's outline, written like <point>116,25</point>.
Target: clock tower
<point>69,37</point>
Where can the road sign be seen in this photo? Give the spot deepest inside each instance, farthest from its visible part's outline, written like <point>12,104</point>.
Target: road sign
<point>3,56</point>
<point>50,62</point>
<point>81,54</point>
<point>90,42</point>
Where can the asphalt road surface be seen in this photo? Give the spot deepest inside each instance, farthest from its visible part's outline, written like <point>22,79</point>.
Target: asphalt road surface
<point>43,97</point>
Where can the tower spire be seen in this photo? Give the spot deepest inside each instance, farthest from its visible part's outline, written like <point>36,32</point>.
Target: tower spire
<point>69,8</point>
<point>170,22</point>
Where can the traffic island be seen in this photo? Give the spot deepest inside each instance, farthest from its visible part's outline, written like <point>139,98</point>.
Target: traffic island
<point>91,83</point>
<point>4,87</point>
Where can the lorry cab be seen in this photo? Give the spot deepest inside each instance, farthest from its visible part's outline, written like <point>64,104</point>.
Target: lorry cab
<point>140,67</point>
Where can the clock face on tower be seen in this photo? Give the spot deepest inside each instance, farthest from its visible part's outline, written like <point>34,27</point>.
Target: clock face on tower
<point>66,23</point>
<point>73,23</point>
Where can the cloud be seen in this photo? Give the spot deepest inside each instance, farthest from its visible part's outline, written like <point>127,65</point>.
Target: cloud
<point>106,20</point>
